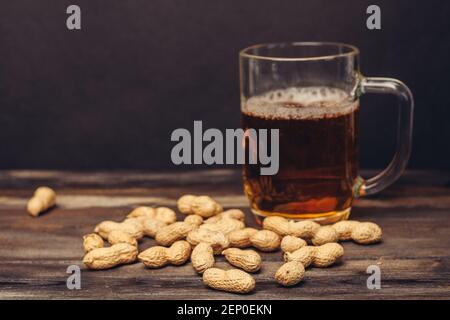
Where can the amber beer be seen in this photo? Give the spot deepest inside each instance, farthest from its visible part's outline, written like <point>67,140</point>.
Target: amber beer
<point>318,153</point>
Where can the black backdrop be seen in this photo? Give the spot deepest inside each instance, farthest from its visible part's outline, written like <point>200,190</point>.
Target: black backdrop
<point>110,95</point>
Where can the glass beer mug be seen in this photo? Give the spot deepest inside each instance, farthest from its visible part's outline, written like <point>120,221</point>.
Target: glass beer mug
<point>310,91</point>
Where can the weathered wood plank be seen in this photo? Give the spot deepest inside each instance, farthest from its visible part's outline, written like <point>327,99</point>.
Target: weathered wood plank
<point>34,253</point>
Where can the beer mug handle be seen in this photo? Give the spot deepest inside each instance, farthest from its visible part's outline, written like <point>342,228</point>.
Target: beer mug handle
<point>404,133</point>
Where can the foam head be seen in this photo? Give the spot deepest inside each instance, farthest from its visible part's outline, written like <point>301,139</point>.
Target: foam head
<point>300,103</point>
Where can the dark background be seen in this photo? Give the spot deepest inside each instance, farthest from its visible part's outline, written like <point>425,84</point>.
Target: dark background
<point>109,96</point>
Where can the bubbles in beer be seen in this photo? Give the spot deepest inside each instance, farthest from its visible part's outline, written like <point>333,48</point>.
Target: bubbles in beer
<point>300,103</point>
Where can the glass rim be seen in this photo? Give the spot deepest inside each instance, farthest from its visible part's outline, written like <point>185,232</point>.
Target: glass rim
<point>352,51</point>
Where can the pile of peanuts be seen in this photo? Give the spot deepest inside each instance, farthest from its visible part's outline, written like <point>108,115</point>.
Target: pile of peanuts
<point>208,231</point>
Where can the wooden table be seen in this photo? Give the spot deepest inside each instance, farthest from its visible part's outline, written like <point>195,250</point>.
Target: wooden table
<point>414,257</point>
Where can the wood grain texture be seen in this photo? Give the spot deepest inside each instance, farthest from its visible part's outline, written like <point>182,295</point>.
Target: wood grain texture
<point>414,256</point>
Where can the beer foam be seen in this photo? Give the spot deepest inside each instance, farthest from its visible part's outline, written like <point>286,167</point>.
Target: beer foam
<point>300,103</point>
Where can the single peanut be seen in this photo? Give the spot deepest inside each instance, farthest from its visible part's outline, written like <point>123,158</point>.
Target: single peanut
<point>284,227</point>
<point>304,255</point>
<point>291,243</point>
<point>202,257</point>
<point>139,212</point>
<point>327,254</point>
<point>360,232</point>
<point>119,236</point>
<point>290,273</point>
<point>166,215</point>
<point>131,226</point>
<point>193,219</point>
<point>233,280</point>
<point>344,229</point>
<point>266,240</point>
<point>248,260</point>
<point>321,256</point>
<point>173,232</point>
<point>105,258</point>
<point>92,241</point>
<point>184,203</point>
<point>325,234</point>
<point>279,225</point>
<point>231,213</point>
<point>241,238</point>
<point>43,199</point>
<point>163,214</point>
<point>203,206</point>
<point>302,229</point>
<point>216,239</point>
<point>157,257</point>
<point>224,225</point>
